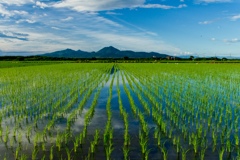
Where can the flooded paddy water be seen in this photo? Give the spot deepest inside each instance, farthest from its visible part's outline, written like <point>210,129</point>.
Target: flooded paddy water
<point>119,111</point>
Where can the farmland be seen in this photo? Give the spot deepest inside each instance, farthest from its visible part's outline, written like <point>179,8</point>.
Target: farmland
<point>120,111</point>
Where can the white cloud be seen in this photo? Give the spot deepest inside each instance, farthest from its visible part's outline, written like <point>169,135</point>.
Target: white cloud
<point>213,39</point>
<point>13,35</point>
<point>161,6</point>
<point>67,19</point>
<point>41,5</point>
<point>205,22</point>
<point>9,13</point>
<point>234,40</point>
<point>213,1</point>
<point>16,2</point>
<point>236,17</point>
<point>5,12</point>
<point>113,13</point>
<point>96,5</point>
<point>93,29</point>
<point>26,20</point>
<point>30,21</point>
<point>56,28</point>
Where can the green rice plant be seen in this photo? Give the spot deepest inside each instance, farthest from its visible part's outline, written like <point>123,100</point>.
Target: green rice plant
<point>76,144</point>
<point>43,147</point>
<point>34,154</point>
<point>195,143</point>
<point>17,152</point>
<point>184,153</point>
<point>202,153</point>
<point>51,155</point>
<point>23,157</point>
<point>164,151</point>
<point>236,139</point>
<point>68,153</point>
<point>96,137</point>
<point>5,139</point>
<point>221,152</point>
<point>214,137</point>
<point>108,150</point>
<point>126,151</point>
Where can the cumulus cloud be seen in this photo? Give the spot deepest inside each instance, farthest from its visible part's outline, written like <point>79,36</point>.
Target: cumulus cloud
<point>96,29</point>
<point>235,17</point>
<point>96,5</point>
<point>41,5</point>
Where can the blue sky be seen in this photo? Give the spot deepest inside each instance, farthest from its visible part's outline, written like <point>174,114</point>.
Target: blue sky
<point>176,27</point>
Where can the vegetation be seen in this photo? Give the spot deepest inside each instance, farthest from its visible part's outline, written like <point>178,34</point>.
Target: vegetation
<point>171,111</point>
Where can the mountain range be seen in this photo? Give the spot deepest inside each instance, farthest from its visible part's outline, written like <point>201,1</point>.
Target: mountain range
<point>106,52</point>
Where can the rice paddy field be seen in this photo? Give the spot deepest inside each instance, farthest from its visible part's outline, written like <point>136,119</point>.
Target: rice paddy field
<point>120,111</point>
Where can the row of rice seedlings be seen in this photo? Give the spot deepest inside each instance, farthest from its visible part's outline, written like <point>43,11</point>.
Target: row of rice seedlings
<point>132,105</point>
<point>108,132</point>
<point>124,114</point>
<point>144,130</point>
<point>199,131</point>
<point>157,132</point>
<point>79,140</point>
<point>52,121</point>
<point>169,135</point>
<point>147,109</point>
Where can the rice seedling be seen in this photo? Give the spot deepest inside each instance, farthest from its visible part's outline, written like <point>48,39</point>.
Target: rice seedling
<point>187,104</point>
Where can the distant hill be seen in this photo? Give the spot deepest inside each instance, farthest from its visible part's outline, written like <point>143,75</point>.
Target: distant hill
<point>106,52</point>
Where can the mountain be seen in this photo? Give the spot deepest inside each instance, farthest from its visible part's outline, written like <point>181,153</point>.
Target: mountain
<point>106,52</point>
<point>68,53</point>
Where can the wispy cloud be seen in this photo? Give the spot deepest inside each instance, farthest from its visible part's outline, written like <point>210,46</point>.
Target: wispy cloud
<point>213,1</point>
<point>213,39</point>
<point>205,22</point>
<point>16,2</point>
<point>25,20</point>
<point>161,6</point>
<point>4,12</point>
<point>235,17</point>
<point>113,13</point>
<point>53,34</point>
<point>107,5</point>
<point>56,28</point>
<point>67,19</point>
<point>234,40</point>
<point>14,35</point>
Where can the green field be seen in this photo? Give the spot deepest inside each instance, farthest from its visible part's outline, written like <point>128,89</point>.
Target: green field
<point>11,64</point>
<point>119,111</point>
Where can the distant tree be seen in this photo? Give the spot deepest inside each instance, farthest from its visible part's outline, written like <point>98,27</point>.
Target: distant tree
<point>126,58</point>
<point>191,57</point>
